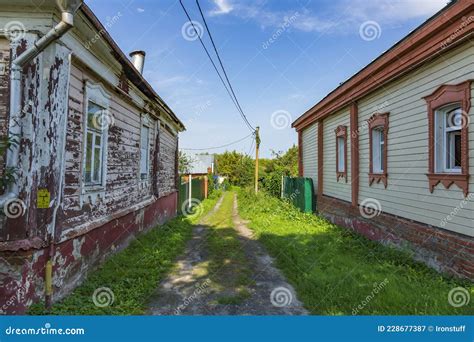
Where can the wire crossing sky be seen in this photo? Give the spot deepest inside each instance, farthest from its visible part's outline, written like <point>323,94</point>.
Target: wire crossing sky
<point>281,57</point>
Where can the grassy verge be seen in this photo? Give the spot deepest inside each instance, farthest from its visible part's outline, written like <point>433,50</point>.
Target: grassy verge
<point>132,274</point>
<point>228,269</point>
<point>336,271</point>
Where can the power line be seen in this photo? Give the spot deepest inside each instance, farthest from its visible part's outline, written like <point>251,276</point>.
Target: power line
<point>217,147</point>
<point>215,67</point>
<point>222,66</point>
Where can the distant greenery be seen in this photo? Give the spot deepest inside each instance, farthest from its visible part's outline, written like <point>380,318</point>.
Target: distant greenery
<point>240,169</point>
<point>184,163</point>
<point>282,164</point>
<point>338,272</point>
<point>132,274</point>
<point>237,167</point>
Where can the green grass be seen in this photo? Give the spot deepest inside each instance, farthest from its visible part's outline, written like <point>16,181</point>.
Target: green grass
<point>132,274</point>
<point>228,267</point>
<point>338,272</point>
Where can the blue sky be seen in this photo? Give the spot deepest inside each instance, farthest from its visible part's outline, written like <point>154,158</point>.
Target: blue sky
<point>282,56</point>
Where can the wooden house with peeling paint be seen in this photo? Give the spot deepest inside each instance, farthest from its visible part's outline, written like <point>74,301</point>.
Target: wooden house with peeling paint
<point>391,150</point>
<point>94,153</point>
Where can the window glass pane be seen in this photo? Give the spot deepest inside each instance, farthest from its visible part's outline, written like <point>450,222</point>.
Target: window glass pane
<point>340,162</point>
<point>381,147</point>
<point>87,169</point>
<point>457,150</point>
<point>454,118</point>
<point>144,151</point>
<point>97,165</point>
<point>93,110</point>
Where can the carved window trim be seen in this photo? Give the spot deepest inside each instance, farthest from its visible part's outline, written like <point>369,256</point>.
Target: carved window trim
<point>341,132</point>
<point>443,96</point>
<point>378,121</point>
<point>95,93</point>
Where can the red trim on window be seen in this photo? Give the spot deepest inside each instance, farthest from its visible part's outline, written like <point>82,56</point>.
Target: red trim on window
<point>445,95</point>
<point>341,131</point>
<point>376,121</point>
<point>355,154</point>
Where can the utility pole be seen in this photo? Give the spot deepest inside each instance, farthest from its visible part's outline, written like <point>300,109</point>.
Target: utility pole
<point>257,147</point>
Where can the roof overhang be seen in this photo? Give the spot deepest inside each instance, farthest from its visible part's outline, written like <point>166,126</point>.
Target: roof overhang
<point>130,71</point>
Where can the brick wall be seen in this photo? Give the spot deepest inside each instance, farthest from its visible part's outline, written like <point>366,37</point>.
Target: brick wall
<point>445,251</point>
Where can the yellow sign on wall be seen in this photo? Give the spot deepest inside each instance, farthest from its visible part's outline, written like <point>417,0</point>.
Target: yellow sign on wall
<point>44,198</point>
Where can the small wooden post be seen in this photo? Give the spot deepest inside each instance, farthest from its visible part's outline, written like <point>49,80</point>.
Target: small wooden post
<point>206,186</point>
<point>190,195</point>
<point>257,147</point>
<point>282,186</point>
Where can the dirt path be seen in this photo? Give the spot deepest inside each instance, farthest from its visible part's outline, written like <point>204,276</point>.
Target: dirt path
<point>199,287</point>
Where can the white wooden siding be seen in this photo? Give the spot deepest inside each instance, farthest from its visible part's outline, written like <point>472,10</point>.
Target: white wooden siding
<point>407,194</point>
<point>310,153</point>
<point>331,187</point>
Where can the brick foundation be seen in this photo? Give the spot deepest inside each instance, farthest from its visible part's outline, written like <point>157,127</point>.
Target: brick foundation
<point>22,271</point>
<point>445,251</point>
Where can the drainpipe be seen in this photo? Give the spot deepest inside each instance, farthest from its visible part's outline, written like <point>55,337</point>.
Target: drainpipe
<point>17,65</point>
<point>68,10</point>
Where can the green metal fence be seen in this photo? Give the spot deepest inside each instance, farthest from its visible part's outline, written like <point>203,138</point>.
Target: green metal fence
<point>197,192</point>
<point>300,192</point>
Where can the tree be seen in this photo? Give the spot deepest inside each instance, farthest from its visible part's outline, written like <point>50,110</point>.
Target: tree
<point>282,164</point>
<point>237,167</point>
<point>185,163</point>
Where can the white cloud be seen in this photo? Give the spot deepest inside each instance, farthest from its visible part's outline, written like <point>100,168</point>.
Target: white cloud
<point>340,16</point>
<point>223,7</point>
<point>140,10</point>
<point>394,10</point>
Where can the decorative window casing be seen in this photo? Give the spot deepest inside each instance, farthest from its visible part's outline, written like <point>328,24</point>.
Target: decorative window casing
<point>145,134</point>
<point>341,152</point>
<point>448,145</point>
<point>97,119</point>
<point>378,148</point>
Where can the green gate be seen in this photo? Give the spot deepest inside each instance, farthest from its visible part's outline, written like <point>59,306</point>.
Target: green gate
<point>300,192</point>
<point>197,192</point>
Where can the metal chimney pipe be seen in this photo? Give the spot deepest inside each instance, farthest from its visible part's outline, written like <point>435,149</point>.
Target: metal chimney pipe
<point>138,60</point>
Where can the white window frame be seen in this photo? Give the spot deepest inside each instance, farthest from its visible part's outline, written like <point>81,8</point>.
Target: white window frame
<point>145,123</point>
<point>441,144</point>
<point>95,93</point>
<point>377,148</point>
<point>341,142</point>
